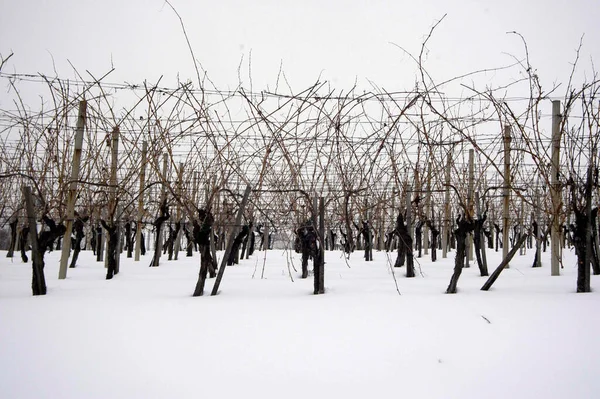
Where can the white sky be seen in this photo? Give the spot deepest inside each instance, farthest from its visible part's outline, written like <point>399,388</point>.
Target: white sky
<point>343,40</point>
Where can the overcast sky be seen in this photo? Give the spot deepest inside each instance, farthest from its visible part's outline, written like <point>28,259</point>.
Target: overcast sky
<point>343,41</point>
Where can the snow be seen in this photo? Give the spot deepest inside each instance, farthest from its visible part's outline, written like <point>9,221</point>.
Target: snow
<point>142,334</point>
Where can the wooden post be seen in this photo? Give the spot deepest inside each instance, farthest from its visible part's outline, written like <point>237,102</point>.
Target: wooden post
<point>446,225</point>
<point>409,226</point>
<point>538,236</point>
<point>140,215</point>
<point>119,232</point>
<point>38,284</point>
<point>597,227</point>
<point>113,211</point>
<point>217,202</point>
<point>394,193</point>
<point>320,275</point>
<point>233,233</point>
<point>523,248</point>
<point>482,241</point>
<point>66,248</point>
<point>195,191</point>
<point>381,223</point>
<point>113,171</point>
<point>179,218</point>
<point>506,194</point>
<point>148,241</point>
<point>393,218</point>
<point>470,207</point>
<point>585,254</point>
<point>163,189</point>
<point>163,196</point>
<point>427,210</point>
<point>417,189</point>
<point>393,214</point>
<point>555,190</point>
<point>315,211</point>
<point>491,221</point>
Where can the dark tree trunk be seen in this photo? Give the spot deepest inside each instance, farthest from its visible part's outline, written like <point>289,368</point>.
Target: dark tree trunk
<point>305,258</point>
<point>221,241</point>
<point>579,232</point>
<point>170,244</point>
<point>435,233</point>
<point>534,228</point>
<point>319,258</point>
<point>410,267</point>
<point>246,240</point>
<point>514,236</point>
<point>23,243</point>
<point>93,241</point>
<point>13,238</point>
<point>488,236</point>
<point>389,239</point>
<point>129,239</point>
<point>401,257</point>
<point>317,289</point>
<point>465,226</point>
<point>205,266</point>
<point>99,244</point>
<point>252,244</point>
<point>44,241</point>
<point>545,240</point>
<point>164,215</point>
<point>346,244</point>
<point>142,244</point>
<point>367,235</point>
<point>261,234</point>
<point>535,259</point>
<point>582,231</point>
<point>307,239</point>
<point>369,246</point>
<point>477,233</point>
<point>405,247</point>
<point>38,280</point>
<point>358,242</point>
<point>595,255</point>
<point>492,279</point>
<point>245,246</point>
<point>237,242</point>
<point>419,238</point>
<point>190,241</point>
<point>434,238</point>
<point>498,241</point>
<point>202,234</point>
<point>349,239</point>
<point>78,226</point>
<point>112,231</point>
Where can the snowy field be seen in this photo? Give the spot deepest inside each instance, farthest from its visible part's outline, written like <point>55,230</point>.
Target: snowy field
<point>142,334</point>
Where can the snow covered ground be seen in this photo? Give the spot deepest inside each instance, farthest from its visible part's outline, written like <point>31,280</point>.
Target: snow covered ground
<point>142,334</point>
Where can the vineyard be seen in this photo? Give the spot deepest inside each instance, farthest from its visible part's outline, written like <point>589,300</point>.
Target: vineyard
<point>418,169</point>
